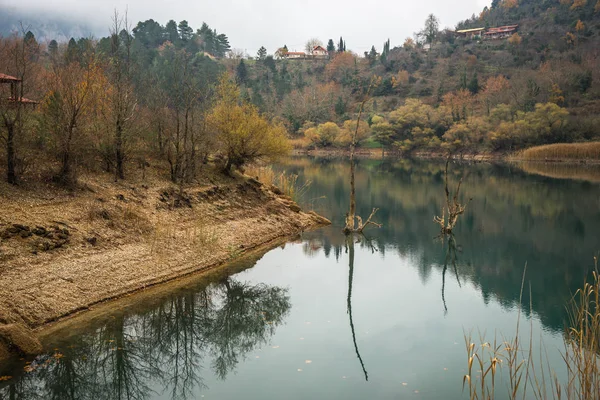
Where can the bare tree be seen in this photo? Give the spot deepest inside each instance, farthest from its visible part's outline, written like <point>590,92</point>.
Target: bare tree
<point>72,91</point>
<point>123,101</point>
<point>351,217</point>
<point>453,208</point>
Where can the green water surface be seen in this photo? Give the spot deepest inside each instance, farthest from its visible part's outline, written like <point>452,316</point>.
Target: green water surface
<point>326,317</point>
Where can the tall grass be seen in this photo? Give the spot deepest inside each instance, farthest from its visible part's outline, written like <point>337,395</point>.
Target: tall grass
<point>287,183</point>
<point>562,151</point>
<point>531,375</point>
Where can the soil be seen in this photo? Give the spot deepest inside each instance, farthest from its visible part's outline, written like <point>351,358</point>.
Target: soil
<point>63,251</point>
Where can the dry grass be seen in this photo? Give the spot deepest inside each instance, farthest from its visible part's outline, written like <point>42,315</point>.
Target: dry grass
<point>583,172</point>
<point>528,377</point>
<point>562,151</point>
<point>288,183</point>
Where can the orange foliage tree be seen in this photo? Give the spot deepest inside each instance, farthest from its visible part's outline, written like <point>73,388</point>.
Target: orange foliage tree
<point>341,68</point>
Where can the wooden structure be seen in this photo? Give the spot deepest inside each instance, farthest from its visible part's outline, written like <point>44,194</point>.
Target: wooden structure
<point>470,33</point>
<point>15,95</point>
<point>501,32</point>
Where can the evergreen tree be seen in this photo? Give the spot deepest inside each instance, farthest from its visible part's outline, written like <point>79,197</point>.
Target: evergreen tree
<point>386,48</point>
<point>341,46</point>
<point>72,54</point>
<point>185,31</point>
<point>473,85</point>
<point>262,53</point>
<point>30,37</point>
<point>340,106</point>
<point>241,72</point>
<point>270,63</point>
<point>330,46</point>
<point>171,32</point>
<point>53,47</point>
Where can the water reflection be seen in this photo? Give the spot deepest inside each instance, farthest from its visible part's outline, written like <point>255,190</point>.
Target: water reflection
<point>514,218</point>
<point>350,250</point>
<point>161,350</point>
<point>452,258</point>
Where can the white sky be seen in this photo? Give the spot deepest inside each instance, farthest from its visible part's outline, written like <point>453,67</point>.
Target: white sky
<point>254,23</point>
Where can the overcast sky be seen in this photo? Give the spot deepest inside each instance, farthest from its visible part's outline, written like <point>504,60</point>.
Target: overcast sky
<point>254,23</point>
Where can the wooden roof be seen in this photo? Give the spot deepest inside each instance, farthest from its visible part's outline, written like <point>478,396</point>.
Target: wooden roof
<point>8,79</point>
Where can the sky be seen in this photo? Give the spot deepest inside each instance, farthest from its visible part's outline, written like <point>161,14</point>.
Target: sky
<point>254,23</point>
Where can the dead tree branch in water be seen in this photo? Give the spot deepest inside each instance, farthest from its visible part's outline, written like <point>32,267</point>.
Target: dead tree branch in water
<point>351,217</point>
<point>453,208</point>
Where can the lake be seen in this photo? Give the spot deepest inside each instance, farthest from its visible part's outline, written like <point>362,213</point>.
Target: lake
<point>382,316</point>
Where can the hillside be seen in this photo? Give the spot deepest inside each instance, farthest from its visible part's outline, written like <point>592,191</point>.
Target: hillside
<point>470,91</point>
<point>159,91</point>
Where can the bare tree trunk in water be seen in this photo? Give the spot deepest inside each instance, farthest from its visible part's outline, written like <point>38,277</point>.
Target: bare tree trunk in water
<point>351,216</point>
<point>453,208</point>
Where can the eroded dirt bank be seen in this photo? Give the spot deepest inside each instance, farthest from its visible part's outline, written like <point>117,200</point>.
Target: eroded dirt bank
<point>62,252</point>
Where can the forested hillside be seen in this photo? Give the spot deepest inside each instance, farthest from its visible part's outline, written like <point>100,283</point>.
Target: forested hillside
<point>540,85</point>
<point>170,92</point>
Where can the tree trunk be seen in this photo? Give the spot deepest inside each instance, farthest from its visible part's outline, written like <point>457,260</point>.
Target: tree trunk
<point>350,217</point>
<point>120,174</point>
<point>11,174</point>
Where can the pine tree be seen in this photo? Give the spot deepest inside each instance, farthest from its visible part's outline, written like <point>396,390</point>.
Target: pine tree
<point>341,46</point>
<point>53,47</point>
<point>242,72</point>
<point>72,54</point>
<point>185,31</point>
<point>262,53</point>
<point>330,46</point>
<point>473,85</point>
<point>171,32</point>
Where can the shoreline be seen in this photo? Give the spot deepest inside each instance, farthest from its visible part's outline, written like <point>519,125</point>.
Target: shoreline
<point>476,157</point>
<point>88,251</point>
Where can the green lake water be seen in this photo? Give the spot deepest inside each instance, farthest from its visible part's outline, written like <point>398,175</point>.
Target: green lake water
<point>377,317</point>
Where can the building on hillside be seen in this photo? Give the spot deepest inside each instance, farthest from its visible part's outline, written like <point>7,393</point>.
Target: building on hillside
<point>470,33</point>
<point>295,55</point>
<point>13,96</point>
<point>501,32</point>
<point>317,53</point>
<point>320,52</point>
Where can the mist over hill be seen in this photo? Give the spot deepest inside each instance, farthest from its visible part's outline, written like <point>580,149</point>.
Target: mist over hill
<point>46,26</point>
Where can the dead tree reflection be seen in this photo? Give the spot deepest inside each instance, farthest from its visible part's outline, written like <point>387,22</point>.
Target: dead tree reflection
<point>451,258</point>
<point>350,250</point>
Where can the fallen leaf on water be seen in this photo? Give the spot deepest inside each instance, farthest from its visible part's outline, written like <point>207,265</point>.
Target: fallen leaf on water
<point>29,368</point>
<point>58,355</point>
<point>5,378</point>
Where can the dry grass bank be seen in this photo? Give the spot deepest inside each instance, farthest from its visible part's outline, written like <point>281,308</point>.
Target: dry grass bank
<point>64,251</point>
<point>562,152</point>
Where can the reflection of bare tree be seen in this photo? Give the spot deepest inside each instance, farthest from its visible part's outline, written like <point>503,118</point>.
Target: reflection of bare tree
<point>452,257</point>
<point>165,346</point>
<point>350,248</point>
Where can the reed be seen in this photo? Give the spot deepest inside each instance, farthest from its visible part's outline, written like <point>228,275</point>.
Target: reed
<point>562,151</point>
<point>531,376</point>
